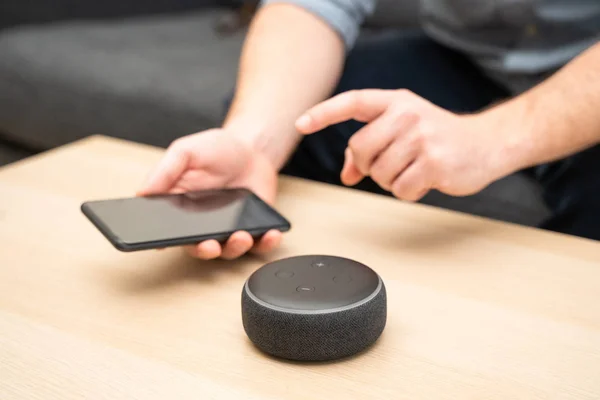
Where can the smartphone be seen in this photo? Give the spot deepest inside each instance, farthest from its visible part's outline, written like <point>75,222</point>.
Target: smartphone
<point>159,221</point>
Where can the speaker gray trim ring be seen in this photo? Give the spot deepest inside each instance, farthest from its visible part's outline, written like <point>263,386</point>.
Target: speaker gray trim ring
<point>324,311</point>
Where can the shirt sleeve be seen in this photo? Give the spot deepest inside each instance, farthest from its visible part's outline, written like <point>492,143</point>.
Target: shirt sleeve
<point>344,16</point>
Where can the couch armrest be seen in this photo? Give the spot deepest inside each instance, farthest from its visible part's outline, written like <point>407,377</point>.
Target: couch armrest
<point>25,12</point>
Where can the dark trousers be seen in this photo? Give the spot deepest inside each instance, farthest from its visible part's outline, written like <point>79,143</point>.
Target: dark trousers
<point>412,61</point>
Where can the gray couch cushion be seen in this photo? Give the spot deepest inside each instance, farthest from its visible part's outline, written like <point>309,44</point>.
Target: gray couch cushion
<point>13,13</point>
<point>10,153</point>
<point>149,79</point>
<point>516,198</point>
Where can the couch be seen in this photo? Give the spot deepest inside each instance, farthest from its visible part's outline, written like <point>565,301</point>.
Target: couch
<point>152,71</point>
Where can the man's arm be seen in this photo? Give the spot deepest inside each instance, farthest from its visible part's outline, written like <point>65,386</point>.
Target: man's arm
<point>557,118</point>
<point>410,146</point>
<point>292,59</point>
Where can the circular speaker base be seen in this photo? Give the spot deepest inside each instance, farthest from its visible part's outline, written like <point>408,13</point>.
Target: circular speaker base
<point>314,308</point>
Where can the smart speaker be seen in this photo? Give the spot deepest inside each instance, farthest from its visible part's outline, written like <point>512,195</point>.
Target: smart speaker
<point>314,308</point>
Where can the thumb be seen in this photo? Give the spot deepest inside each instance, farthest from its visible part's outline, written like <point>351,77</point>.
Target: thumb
<point>166,174</point>
<point>351,175</point>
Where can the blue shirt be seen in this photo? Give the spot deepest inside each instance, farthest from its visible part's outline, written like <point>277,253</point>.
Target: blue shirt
<point>517,43</point>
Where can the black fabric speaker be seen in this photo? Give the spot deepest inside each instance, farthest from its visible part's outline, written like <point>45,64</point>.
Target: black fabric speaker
<point>314,308</point>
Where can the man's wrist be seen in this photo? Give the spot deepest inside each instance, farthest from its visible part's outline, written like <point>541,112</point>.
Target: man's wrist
<point>245,130</point>
<point>556,118</point>
<point>264,137</point>
<point>511,130</point>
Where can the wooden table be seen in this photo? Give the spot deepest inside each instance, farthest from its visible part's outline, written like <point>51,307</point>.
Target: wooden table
<point>477,309</point>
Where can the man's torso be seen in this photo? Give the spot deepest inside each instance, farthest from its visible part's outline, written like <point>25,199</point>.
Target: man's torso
<point>517,42</point>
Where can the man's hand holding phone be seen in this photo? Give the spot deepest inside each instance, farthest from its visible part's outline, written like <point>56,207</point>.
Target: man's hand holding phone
<point>214,159</point>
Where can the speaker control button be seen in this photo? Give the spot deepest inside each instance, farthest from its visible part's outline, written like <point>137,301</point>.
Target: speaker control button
<point>284,274</point>
<point>342,279</point>
<point>305,289</point>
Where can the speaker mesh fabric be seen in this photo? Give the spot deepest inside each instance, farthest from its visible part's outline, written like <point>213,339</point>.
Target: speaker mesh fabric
<point>314,336</point>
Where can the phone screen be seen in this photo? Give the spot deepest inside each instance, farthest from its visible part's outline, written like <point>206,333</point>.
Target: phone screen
<point>172,219</point>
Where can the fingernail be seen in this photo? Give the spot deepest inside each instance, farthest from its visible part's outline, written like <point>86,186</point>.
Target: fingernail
<point>304,122</point>
<point>347,155</point>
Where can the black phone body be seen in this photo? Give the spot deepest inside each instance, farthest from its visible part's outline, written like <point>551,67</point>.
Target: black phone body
<point>159,221</point>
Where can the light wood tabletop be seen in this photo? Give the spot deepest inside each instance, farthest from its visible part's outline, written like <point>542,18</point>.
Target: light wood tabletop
<point>478,309</point>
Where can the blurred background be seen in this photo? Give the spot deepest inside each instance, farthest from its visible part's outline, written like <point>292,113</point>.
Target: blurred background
<point>151,71</point>
<point>147,71</point>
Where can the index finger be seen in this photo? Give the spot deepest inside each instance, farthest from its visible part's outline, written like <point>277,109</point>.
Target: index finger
<point>361,105</point>
<point>268,242</point>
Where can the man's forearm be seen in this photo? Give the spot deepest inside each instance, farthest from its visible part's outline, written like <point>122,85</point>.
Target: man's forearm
<point>555,119</point>
<point>291,60</point>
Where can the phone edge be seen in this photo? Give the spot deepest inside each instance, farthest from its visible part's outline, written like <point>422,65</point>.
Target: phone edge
<point>123,246</point>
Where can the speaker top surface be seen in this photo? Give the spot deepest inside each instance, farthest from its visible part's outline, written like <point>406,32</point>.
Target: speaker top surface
<point>313,283</point>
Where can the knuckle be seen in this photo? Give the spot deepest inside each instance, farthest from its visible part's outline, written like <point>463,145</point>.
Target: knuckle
<point>399,189</point>
<point>377,169</point>
<point>354,143</point>
<point>407,191</point>
<point>382,180</point>
<point>377,173</point>
<point>355,100</point>
<point>414,195</point>
<point>416,141</point>
<point>406,96</point>
<point>403,116</point>
<point>404,93</point>
<point>398,112</point>
<point>433,158</point>
<point>353,96</point>
<point>402,120</point>
<point>360,159</point>
<point>427,129</point>
<point>410,184</point>
<point>444,182</point>
<point>177,145</point>
<point>444,185</point>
